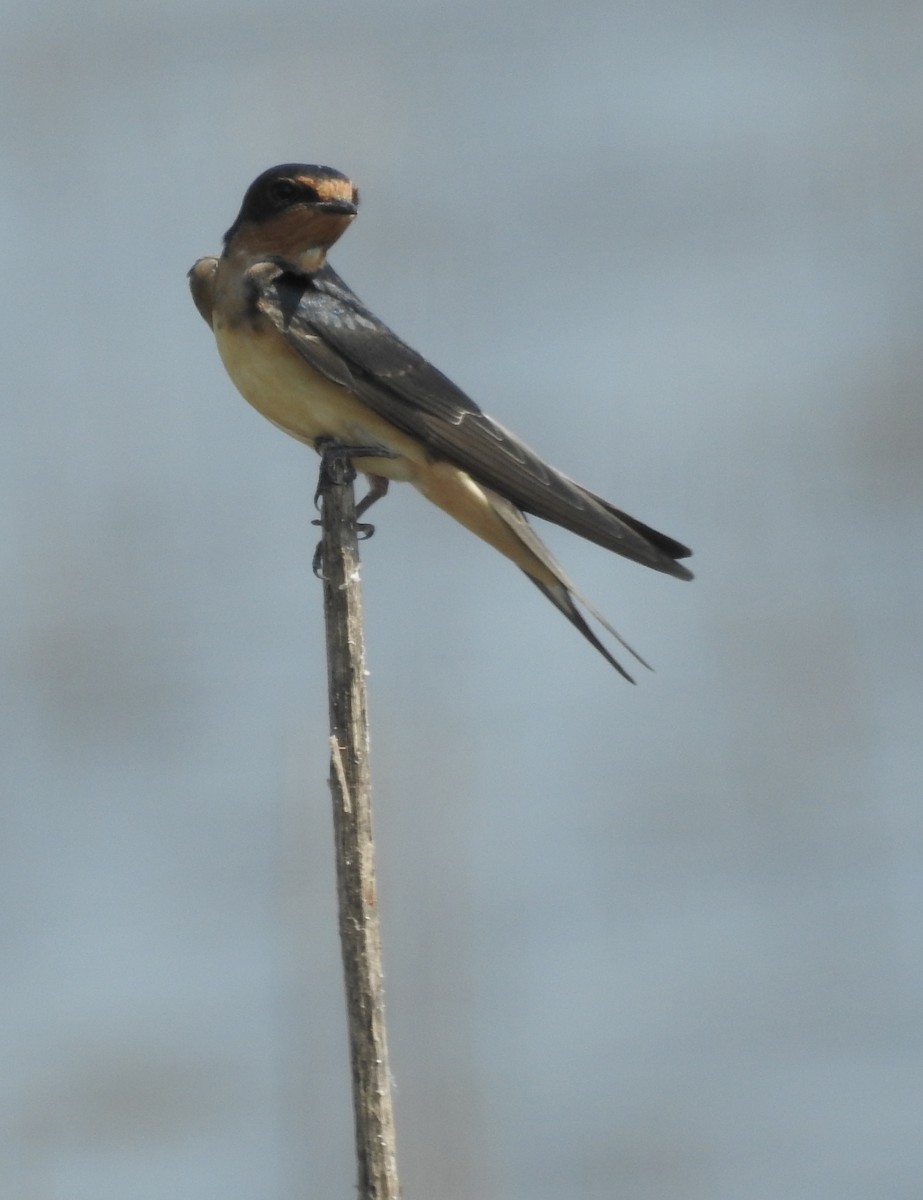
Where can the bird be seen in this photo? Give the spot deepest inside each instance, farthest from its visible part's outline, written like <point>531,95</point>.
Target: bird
<point>305,351</point>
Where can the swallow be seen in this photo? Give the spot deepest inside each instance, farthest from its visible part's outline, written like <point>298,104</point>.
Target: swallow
<point>305,352</point>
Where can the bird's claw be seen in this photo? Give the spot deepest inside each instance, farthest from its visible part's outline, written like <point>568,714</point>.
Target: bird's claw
<point>337,467</point>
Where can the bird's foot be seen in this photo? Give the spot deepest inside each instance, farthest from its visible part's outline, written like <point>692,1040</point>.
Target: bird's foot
<point>337,467</point>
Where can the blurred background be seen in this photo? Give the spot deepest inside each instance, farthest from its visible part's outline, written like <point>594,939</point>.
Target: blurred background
<point>656,942</point>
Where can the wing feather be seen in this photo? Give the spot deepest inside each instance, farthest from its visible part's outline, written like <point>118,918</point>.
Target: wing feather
<point>326,323</point>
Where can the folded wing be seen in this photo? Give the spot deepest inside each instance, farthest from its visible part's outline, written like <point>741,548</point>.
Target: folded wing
<point>323,320</point>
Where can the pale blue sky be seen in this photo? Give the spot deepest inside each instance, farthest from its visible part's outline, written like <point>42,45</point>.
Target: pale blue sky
<point>656,942</point>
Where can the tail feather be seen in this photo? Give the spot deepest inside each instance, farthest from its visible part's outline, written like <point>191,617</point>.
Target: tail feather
<point>561,592</point>
<point>563,600</point>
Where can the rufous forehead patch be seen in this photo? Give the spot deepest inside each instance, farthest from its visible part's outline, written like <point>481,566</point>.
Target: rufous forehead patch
<point>328,189</point>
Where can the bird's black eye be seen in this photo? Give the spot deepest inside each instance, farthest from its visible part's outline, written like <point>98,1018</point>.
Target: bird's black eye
<point>282,192</point>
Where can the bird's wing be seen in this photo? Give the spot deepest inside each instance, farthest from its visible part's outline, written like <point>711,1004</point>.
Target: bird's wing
<point>326,323</point>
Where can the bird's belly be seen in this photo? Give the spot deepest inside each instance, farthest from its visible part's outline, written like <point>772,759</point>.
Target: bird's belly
<point>288,391</point>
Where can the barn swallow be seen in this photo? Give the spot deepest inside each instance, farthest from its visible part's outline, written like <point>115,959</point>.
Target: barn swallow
<point>306,353</point>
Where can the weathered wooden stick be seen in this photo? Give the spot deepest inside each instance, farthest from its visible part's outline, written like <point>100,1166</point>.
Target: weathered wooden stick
<point>352,822</point>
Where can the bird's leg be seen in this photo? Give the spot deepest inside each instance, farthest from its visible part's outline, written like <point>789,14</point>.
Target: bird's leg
<point>378,487</point>
<point>336,465</point>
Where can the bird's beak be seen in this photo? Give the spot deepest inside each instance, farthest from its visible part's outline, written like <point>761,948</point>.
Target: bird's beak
<point>338,208</point>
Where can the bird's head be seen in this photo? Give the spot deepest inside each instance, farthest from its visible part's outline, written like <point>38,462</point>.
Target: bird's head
<point>295,212</point>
